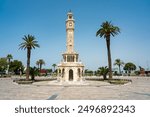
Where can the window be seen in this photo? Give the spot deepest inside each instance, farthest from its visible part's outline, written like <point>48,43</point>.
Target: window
<point>70,17</point>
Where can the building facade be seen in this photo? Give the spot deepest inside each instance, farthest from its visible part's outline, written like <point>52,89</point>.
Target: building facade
<point>70,68</point>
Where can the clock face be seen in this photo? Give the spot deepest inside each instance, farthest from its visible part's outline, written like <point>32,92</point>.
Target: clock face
<point>70,24</point>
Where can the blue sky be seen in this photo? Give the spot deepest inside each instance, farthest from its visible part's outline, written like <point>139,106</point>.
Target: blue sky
<point>45,19</point>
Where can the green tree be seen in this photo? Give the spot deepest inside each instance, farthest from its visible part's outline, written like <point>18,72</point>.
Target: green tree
<point>107,30</point>
<point>54,65</point>
<point>29,43</point>
<point>119,63</point>
<point>103,71</point>
<point>49,71</point>
<point>9,57</point>
<point>129,67</point>
<point>88,72</point>
<point>3,64</point>
<point>16,66</point>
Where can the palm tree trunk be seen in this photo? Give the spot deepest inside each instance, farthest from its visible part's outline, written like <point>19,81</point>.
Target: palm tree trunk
<point>109,56</point>
<point>40,68</point>
<point>54,69</point>
<point>105,77</point>
<point>119,70</point>
<point>28,63</point>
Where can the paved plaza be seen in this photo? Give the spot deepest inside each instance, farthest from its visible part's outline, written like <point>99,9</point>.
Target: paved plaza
<point>139,89</point>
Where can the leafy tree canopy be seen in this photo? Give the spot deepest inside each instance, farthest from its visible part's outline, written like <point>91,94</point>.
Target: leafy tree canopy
<point>16,66</point>
<point>107,29</point>
<point>29,42</point>
<point>3,64</point>
<point>129,66</point>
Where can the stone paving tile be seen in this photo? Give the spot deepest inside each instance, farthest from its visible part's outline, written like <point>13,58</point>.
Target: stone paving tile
<point>93,90</point>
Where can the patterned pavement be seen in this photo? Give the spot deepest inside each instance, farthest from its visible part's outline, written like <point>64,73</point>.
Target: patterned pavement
<point>139,89</point>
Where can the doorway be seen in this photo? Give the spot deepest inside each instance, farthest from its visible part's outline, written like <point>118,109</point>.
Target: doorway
<point>70,75</point>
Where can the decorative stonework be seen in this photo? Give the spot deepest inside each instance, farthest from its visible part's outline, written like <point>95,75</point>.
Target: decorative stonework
<point>70,69</point>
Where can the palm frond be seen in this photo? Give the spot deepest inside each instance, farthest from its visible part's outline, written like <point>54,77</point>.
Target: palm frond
<point>107,29</point>
<point>28,42</point>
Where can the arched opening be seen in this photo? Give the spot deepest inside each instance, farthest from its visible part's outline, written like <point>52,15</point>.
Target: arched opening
<point>63,72</point>
<point>70,75</point>
<point>59,70</point>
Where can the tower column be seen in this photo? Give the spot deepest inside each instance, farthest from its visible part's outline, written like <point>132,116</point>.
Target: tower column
<point>75,59</point>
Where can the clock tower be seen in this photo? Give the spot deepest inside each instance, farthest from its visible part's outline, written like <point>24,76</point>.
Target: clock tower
<point>70,32</point>
<point>70,68</point>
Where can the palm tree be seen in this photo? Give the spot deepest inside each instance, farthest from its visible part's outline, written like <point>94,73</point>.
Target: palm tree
<point>103,71</point>
<point>38,64</point>
<point>107,30</point>
<point>119,63</point>
<point>41,62</point>
<point>9,57</point>
<point>54,65</point>
<point>28,43</point>
<point>33,72</point>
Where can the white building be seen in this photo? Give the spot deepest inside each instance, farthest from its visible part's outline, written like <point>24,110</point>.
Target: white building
<point>70,69</point>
